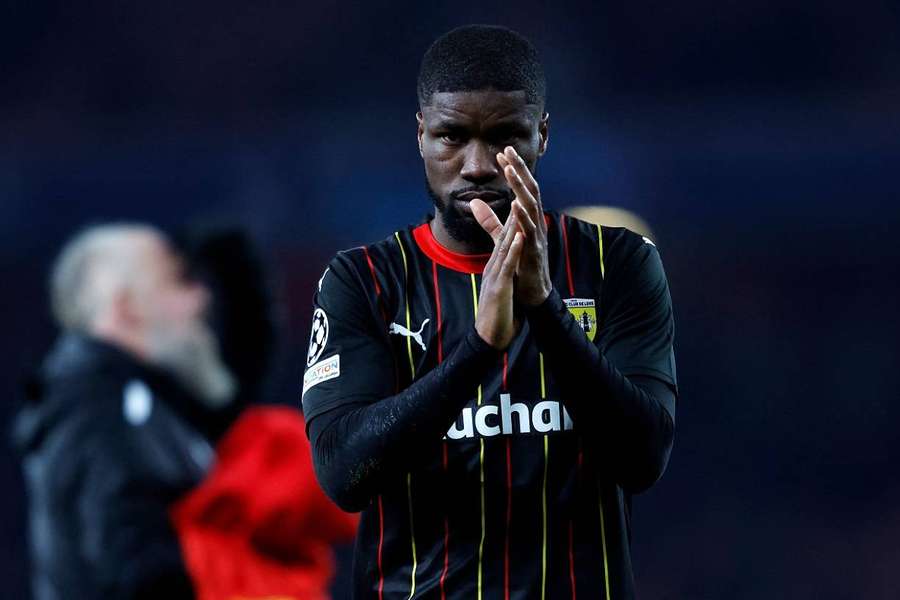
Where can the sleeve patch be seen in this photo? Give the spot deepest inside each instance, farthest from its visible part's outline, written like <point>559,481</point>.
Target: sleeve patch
<point>318,337</point>
<point>323,370</point>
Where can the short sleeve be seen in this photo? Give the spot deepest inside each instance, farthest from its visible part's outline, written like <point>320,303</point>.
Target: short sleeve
<point>349,360</point>
<point>637,328</point>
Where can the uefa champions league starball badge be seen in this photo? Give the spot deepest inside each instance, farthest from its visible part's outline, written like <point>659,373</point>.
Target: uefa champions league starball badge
<point>318,338</point>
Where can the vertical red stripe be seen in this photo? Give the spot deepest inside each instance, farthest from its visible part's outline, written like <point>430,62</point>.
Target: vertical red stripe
<point>396,386</point>
<point>446,557</point>
<point>572,523</point>
<point>372,270</point>
<point>446,537</point>
<point>437,304</point>
<point>380,304</point>
<point>508,519</point>
<point>565,237</point>
<point>508,493</point>
<point>378,299</point>
<point>380,545</point>
<point>505,368</point>
<point>571,560</point>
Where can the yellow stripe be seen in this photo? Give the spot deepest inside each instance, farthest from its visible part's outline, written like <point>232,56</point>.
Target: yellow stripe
<point>480,463</point>
<point>412,371</point>
<point>600,239</point>
<point>603,540</point>
<point>481,542</point>
<point>602,518</point>
<point>544,491</point>
<point>412,368</point>
<point>543,388</point>
<point>412,534</point>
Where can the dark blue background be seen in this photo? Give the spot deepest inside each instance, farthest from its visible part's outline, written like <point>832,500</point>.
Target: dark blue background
<point>760,139</point>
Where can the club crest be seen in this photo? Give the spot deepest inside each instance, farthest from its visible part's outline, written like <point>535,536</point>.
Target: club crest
<point>585,312</point>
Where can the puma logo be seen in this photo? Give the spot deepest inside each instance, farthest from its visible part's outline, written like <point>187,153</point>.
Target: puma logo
<point>416,335</point>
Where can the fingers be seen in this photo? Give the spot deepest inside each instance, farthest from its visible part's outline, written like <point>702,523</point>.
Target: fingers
<point>509,156</point>
<point>502,245</point>
<point>509,232</point>
<point>523,195</point>
<point>526,224</point>
<point>511,261</point>
<point>487,219</point>
<point>521,181</point>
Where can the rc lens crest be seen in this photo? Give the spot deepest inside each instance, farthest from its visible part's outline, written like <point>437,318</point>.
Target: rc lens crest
<point>585,312</point>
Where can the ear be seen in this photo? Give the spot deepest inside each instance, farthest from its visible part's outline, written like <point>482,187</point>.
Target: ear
<point>544,133</point>
<point>125,311</point>
<point>420,131</point>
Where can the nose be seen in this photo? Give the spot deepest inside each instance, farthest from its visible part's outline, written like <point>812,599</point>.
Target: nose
<point>480,164</point>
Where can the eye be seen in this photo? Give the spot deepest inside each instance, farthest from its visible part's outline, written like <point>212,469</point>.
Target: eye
<point>452,139</point>
<point>509,137</point>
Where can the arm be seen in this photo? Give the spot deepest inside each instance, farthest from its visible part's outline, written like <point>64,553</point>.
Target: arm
<point>358,447</point>
<point>636,415</point>
<point>362,436</point>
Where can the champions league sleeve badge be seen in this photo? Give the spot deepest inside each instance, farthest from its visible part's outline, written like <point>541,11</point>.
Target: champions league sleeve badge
<point>318,337</point>
<point>585,312</point>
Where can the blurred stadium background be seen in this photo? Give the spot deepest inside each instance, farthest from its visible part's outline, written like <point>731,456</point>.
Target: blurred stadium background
<point>759,140</point>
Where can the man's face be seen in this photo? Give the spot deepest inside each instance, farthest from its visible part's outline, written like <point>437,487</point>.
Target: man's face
<point>460,134</point>
<point>169,298</point>
<point>173,309</point>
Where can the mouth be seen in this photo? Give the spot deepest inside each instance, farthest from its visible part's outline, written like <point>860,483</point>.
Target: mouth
<point>491,198</point>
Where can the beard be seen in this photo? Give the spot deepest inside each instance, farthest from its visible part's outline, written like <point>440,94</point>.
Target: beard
<point>192,356</point>
<point>463,227</point>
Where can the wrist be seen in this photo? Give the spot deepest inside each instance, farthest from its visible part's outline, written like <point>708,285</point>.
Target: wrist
<point>482,342</point>
<point>537,298</point>
<point>551,304</point>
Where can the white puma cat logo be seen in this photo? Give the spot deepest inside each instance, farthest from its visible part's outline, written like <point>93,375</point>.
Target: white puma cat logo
<point>416,335</point>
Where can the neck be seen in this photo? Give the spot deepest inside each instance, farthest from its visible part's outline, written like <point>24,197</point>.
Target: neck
<point>123,338</point>
<point>443,237</point>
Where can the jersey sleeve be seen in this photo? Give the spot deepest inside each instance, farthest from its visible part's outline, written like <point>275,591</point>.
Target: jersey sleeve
<point>349,360</point>
<point>637,330</point>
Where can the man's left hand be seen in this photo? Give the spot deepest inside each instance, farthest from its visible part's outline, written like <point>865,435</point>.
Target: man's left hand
<point>533,284</point>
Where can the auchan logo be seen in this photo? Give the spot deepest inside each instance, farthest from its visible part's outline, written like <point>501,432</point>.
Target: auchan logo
<point>489,420</point>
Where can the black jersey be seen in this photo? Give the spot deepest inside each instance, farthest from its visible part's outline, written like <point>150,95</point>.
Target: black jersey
<point>507,504</point>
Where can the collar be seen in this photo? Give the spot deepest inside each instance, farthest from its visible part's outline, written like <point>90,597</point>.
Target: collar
<point>465,263</point>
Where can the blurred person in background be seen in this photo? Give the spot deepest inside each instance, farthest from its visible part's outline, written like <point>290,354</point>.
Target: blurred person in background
<point>107,450</point>
<point>492,386</point>
<point>258,526</point>
<point>132,455</point>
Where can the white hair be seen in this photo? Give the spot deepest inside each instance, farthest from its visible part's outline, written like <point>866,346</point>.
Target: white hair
<point>91,268</point>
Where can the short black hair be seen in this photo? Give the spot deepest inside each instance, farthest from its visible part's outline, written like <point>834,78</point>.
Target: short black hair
<point>481,57</point>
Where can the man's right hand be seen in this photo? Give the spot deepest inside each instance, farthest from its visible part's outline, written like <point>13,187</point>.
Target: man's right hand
<point>495,322</point>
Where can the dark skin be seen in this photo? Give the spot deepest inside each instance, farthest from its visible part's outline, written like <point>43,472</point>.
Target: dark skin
<point>486,144</point>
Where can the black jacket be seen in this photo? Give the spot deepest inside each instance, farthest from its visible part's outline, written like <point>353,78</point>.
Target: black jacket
<point>107,448</point>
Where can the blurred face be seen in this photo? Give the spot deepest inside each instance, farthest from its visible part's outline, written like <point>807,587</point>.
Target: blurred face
<point>171,308</point>
<point>460,134</point>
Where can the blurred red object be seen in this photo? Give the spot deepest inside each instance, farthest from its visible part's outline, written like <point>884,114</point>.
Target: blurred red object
<point>259,526</point>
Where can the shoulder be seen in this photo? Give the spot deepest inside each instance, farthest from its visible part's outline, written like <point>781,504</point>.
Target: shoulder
<point>577,232</point>
<point>621,250</point>
<point>374,270</point>
<point>367,260</point>
<point>625,250</point>
<point>103,422</point>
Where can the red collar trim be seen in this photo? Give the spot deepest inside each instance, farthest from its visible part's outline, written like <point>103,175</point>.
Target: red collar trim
<point>465,263</point>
